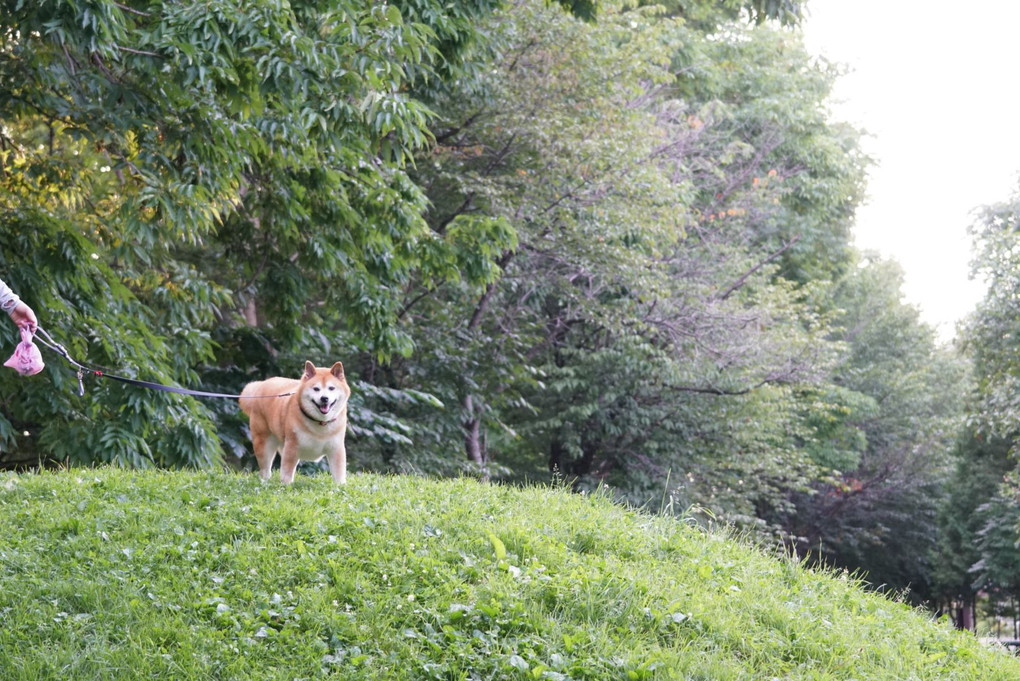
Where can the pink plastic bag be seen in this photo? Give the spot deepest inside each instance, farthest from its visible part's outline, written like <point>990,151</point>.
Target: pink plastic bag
<point>26,360</point>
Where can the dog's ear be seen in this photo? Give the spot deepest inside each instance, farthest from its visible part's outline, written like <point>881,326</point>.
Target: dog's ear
<point>337,370</point>
<point>309,370</point>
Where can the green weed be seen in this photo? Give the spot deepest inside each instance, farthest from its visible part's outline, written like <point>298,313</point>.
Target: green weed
<point>113,574</point>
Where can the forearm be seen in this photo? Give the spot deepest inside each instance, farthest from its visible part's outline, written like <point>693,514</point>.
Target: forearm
<point>8,298</point>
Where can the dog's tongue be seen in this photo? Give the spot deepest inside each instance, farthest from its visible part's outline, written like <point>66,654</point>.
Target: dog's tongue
<point>324,408</point>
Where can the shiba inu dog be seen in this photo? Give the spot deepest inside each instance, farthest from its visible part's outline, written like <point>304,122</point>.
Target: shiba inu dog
<point>301,419</point>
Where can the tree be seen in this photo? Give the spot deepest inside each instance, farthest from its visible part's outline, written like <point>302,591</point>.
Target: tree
<point>707,16</point>
<point>889,431</point>
<point>980,466</point>
<point>983,531</point>
<point>489,163</point>
<point>989,336</point>
<point>647,301</point>
<point>997,571</point>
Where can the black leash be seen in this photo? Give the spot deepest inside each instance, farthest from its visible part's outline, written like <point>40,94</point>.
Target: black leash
<point>46,339</point>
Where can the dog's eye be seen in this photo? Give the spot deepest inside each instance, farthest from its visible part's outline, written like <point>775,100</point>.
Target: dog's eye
<point>332,388</point>
<point>316,388</point>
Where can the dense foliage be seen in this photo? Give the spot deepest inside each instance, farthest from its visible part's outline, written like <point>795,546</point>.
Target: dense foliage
<point>176,175</point>
<point>982,522</point>
<point>607,243</point>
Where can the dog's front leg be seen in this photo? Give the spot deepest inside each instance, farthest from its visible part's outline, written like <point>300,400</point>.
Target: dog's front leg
<point>289,460</point>
<point>338,464</point>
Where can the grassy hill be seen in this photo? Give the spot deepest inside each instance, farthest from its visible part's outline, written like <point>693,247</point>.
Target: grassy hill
<point>110,574</point>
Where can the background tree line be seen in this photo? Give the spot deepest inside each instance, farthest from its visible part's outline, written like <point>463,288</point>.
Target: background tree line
<point>608,244</point>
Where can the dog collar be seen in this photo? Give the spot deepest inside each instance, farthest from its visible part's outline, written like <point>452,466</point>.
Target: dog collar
<point>312,418</point>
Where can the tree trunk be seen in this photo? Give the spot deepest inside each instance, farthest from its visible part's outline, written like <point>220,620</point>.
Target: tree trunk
<point>557,454</point>
<point>472,423</point>
<point>965,616</point>
<point>560,463</point>
<point>473,444</point>
<point>251,317</point>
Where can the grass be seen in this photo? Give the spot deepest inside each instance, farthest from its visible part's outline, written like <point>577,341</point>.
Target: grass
<point>112,574</point>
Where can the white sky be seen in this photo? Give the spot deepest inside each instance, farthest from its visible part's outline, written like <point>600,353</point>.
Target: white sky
<point>937,86</point>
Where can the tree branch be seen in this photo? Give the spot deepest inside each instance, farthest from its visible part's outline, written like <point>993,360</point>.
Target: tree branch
<point>720,392</point>
<point>460,210</point>
<point>144,53</point>
<point>742,279</point>
<point>414,301</point>
<point>132,10</point>
<point>442,137</point>
<point>483,303</point>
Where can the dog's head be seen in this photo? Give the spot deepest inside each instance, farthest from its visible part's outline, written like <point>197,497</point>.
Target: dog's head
<point>324,392</point>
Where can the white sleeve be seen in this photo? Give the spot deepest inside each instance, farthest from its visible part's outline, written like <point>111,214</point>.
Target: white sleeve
<point>8,298</point>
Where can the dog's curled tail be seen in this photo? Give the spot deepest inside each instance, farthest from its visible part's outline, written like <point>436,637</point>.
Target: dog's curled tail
<point>248,392</point>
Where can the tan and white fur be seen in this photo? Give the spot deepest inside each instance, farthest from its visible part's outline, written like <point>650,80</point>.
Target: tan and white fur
<point>301,419</point>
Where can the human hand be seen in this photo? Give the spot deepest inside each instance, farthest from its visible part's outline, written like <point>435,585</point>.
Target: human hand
<point>23,315</point>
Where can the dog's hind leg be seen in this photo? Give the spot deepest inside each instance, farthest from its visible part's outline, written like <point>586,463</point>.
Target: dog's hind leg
<point>266,446</point>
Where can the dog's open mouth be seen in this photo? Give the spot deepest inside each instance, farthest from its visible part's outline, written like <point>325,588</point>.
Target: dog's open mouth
<point>325,407</point>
